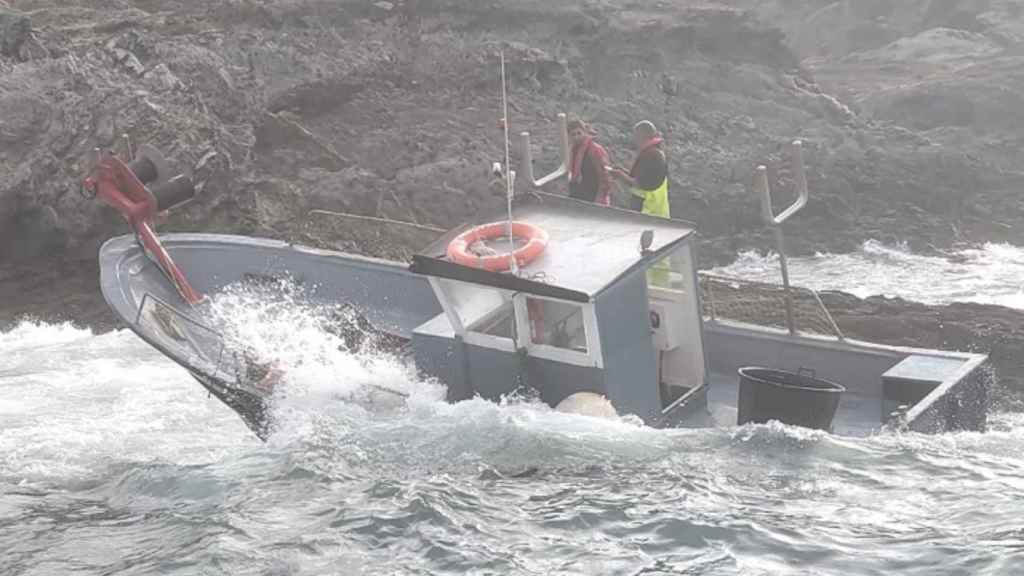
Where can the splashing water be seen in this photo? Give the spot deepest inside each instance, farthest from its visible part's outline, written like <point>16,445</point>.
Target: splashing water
<point>113,461</point>
<point>990,274</point>
<point>323,353</point>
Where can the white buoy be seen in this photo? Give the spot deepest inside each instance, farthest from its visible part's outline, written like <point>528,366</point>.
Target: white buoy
<point>587,404</point>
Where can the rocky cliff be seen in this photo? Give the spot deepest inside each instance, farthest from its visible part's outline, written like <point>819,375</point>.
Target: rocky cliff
<point>909,110</point>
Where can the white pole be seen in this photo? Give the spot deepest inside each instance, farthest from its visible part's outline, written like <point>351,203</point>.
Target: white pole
<point>508,164</point>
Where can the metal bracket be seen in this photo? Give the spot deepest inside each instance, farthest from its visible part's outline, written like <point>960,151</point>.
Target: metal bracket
<point>775,222</point>
<point>764,190</point>
<point>526,156</point>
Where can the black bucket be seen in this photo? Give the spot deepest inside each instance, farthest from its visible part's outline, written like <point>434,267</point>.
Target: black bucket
<point>795,398</point>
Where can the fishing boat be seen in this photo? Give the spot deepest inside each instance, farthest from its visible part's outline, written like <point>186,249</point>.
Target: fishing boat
<point>573,302</point>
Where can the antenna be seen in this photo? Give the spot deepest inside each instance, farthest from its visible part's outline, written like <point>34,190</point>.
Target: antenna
<point>510,175</point>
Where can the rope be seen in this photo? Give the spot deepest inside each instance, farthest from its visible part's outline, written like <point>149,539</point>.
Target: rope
<point>377,219</point>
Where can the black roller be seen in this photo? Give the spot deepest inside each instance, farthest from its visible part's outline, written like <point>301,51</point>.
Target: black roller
<point>150,166</point>
<point>144,169</point>
<point>174,192</point>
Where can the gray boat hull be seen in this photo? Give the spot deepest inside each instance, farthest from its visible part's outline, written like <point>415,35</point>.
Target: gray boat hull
<point>395,302</point>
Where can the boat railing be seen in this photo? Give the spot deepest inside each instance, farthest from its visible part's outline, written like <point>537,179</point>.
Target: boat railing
<point>526,155</point>
<point>765,304</point>
<point>775,222</point>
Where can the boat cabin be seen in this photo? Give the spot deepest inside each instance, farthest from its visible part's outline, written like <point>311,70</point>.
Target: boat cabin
<point>610,306</point>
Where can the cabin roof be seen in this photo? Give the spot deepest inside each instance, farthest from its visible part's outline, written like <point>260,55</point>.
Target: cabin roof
<point>590,247</point>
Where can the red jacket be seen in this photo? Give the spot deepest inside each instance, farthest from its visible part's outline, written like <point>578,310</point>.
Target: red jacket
<point>588,175</point>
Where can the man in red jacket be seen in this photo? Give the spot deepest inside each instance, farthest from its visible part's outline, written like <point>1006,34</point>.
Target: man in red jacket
<point>588,172</point>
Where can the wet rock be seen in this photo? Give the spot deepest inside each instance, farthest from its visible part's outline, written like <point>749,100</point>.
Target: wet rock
<point>911,122</point>
<point>530,64</point>
<point>836,109</point>
<point>15,30</point>
<point>22,117</point>
<point>284,131</point>
<point>37,233</point>
<point>125,57</point>
<point>315,97</point>
<point>106,130</point>
<point>936,46</point>
<point>164,79</point>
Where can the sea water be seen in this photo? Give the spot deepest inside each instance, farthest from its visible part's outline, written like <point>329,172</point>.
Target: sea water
<point>114,461</point>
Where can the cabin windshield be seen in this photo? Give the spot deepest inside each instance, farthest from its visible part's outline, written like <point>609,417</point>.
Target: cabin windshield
<point>504,320</point>
<point>481,309</point>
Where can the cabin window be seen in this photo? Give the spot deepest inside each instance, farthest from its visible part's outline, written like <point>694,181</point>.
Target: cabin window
<point>481,309</point>
<point>500,322</point>
<point>557,324</point>
<point>672,272</point>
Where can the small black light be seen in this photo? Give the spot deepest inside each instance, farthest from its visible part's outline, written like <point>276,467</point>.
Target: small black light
<point>646,239</point>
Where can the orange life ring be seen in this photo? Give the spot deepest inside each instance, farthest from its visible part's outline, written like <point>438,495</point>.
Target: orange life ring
<point>536,241</point>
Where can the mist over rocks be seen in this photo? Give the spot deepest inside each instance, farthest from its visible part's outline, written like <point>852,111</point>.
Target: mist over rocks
<point>909,111</point>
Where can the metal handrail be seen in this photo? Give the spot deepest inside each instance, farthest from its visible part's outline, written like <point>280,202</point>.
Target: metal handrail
<point>801,189</point>
<point>775,222</point>
<point>526,156</point>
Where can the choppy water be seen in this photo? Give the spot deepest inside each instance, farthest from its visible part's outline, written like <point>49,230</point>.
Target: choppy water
<point>990,274</point>
<point>112,461</point>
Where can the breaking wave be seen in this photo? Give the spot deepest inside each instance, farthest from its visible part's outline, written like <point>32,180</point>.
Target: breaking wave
<point>989,274</point>
<point>325,353</point>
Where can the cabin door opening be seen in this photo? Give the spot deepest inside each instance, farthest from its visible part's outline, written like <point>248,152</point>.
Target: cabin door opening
<point>676,325</point>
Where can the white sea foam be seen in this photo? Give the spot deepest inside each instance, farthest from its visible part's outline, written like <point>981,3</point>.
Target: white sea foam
<point>989,274</point>
<point>124,455</point>
<point>72,402</point>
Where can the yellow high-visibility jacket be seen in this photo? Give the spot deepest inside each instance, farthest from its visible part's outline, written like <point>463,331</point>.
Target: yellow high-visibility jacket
<point>655,201</point>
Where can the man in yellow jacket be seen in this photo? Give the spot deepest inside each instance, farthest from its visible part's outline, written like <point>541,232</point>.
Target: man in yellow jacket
<point>648,178</point>
<point>648,182</point>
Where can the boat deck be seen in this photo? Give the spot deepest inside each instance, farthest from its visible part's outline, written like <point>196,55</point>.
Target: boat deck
<point>858,415</point>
